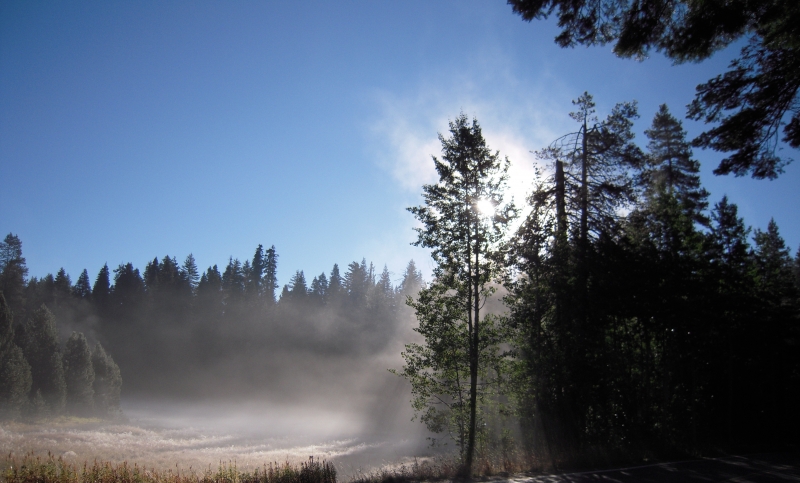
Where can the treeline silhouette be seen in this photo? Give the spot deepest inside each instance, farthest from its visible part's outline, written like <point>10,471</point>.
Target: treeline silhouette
<point>641,319</point>
<point>177,332</point>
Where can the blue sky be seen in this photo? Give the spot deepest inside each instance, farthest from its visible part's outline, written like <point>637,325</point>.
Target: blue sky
<point>130,130</point>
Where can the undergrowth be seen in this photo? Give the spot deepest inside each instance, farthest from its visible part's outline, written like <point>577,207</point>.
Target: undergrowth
<point>35,469</point>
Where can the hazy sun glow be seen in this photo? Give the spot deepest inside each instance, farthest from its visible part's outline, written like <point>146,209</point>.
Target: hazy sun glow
<point>485,206</point>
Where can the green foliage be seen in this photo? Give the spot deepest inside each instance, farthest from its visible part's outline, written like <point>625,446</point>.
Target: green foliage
<point>78,375</point>
<point>15,372</point>
<point>670,168</point>
<point>750,102</point>
<point>42,352</point>
<point>12,273</point>
<point>82,288</point>
<point>107,383</point>
<point>101,290</point>
<point>450,372</point>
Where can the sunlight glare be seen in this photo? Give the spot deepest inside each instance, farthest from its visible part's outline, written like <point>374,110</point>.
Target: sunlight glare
<point>486,207</point>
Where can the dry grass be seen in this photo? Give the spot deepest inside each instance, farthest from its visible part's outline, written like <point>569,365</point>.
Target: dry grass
<point>36,469</point>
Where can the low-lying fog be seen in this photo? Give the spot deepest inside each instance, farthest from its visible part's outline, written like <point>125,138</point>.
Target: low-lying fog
<point>201,436</point>
<point>272,402</point>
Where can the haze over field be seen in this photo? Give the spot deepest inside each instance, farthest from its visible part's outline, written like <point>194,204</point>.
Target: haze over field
<point>259,232</point>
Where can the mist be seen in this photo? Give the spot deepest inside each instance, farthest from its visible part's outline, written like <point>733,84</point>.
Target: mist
<point>216,368</point>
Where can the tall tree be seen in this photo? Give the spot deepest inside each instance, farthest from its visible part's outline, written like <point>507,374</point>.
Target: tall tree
<point>270,274</point>
<point>463,221</point>
<point>412,280</point>
<point>13,272</point>
<point>593,176</point>
<point>102,288</point>
<point>42,352</point>
<point>15,372</point>
<point>298,289</point>
<point>669,166</point>
<point>78,375</point>
<point>255,280</point>
<point>750,102</point>
<point>335,284</point>
<point>191,272</point>
<point>62,286</point>
<point>83,287</point>
<point>107,382</point>
<point>319,288</point>
<point>357,282</point>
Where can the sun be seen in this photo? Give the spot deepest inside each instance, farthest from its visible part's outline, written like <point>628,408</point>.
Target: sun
<point>485,206</point>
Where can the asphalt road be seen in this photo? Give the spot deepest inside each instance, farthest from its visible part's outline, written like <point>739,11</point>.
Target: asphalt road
<point>759,468</point>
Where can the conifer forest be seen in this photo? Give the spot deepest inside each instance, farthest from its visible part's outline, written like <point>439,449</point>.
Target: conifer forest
<point>618,314</point>
<point>635,312</point>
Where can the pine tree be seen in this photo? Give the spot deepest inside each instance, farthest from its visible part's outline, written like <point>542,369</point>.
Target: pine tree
<point>190,271</point>
<point>670,168</point>
<point>42,352</point>
<point>773,340</point>
<point>412,280</point>
<point>13,271</point>
<point>384,292</point>
<point>62,286</point>
<point>83,287</point>
<point>335,285</point>
<point>15,372</point>
<point>797,268</point>
<point>126,295</point>
<point>78,375</point>
<point>101,291</point>
<point>357,283</point>
<point>107,382</point>
<point>319,288</point>
<point>270,275</point>
<point>233,279</point>
<point>255,281</point>
<point>298,290</point>
<point>774,270</point>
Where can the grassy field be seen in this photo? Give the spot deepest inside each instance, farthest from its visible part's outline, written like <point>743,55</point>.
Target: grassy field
<point>91,450</point>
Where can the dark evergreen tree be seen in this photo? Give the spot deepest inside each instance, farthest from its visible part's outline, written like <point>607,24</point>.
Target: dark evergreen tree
<point>319,288</point>
<point>255,282</point>
<point>270,275</point>
<point>797,268</point>
<point>750,102</point>
<point>78,375</point>
<point>730,272</point>
<point>669,167</point>
<point>233,280</point>
<point>126,294</point>
<point>190,272</point>
<point>43,354</point>
<point>83,288</point>
<point>62,286</point>
<point>13,272</point>
<point>101,291</point>
<point>774,270</point>
<point>15,372</point>
<point>210,285</point>
<point>773,343</point>
<point>298,290</point>
<point>107,382</point>
<point>335,284</point>
<point>357,283</point>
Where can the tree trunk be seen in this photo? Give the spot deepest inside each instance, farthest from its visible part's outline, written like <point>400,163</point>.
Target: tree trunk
<point>473,363</point>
